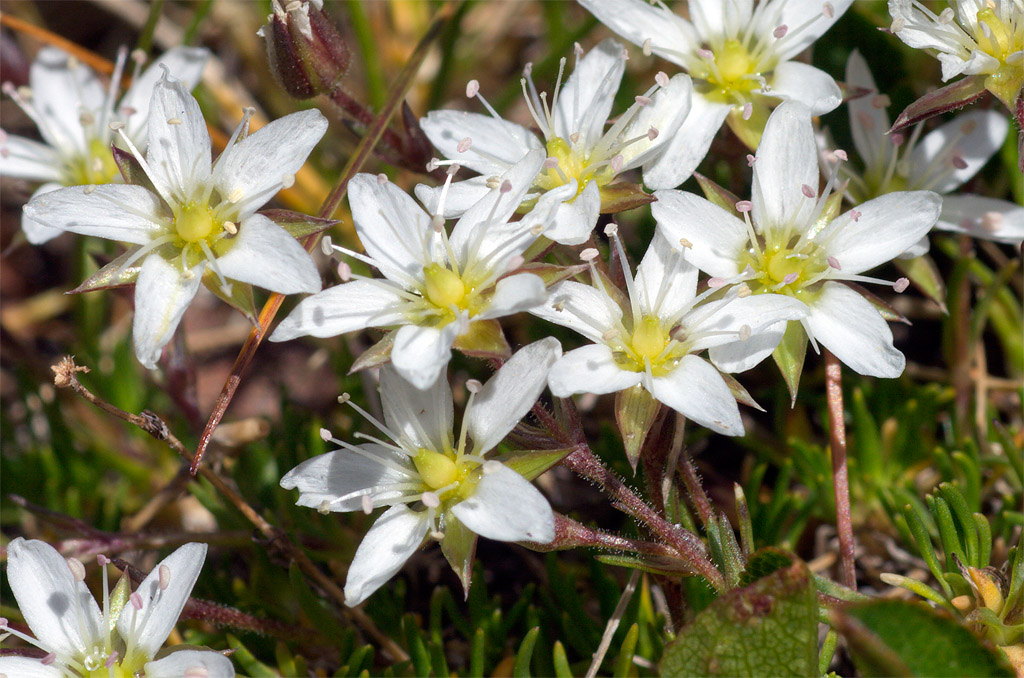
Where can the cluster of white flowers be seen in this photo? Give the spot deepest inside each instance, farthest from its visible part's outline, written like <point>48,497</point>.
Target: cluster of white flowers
<point>778,265</point>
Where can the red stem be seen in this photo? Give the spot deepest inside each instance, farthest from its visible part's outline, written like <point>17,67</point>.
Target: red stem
<point>840,477</point>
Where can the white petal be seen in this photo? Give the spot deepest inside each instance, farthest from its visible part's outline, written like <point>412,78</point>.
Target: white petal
<point>162,293</point>
<point>460,197</point>
<point>114,211</point>
<point>35,232</point>
<point>978,62</point>
<point>61,93</point>
<point>23,158</point>
<point>687,148</point>
<point>786,161</point>
<point>258,166</point>
<point>668,109</point>
<point>393,538</point>
<point>206,663</point>
<point>717,238</point>
<point>510,393</point>
<point>718,18</point>
<point>351,306</point>
<point>671,36</point>
<point>184,63</point>
<point>574,221</point>
<point>797,13</point>
<point>515,293</point>
<point>60,611</point>
<point>888,225</point>
<point>813,87</point>
<point>495,144</point>
<point>391,226</point>
<point>179,145</point>
<point>326,477</point>
<point>590,369</point>
<point>581,308</point>
<point>26,667</point>
<point>740,356</point>
<point>973,137</point>
<point>265,255</point>
<point>982,217</point>
<point>585,101</point>
<point>665,281</point>
<point>920,32</point>
<point>849,326</point>
<point>420,417</point>
<point>145,630</point>
<point>504,506</point>
<point>724,319</point>
<point>421,353</point>
<point>696,390</point>
<point>868,122</point>
<point>918,249</point>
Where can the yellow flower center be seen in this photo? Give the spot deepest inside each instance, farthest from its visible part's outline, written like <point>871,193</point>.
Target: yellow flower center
<point>195,222</point>
<point>788,269</point>
<point>1000,39</point>
<point>443,287</point>
<point>648,344</point>
<point>436,469</point>
<point>97,166</point>
<point>732,75</point>
<point>649,339</point>
<point>571,165</point>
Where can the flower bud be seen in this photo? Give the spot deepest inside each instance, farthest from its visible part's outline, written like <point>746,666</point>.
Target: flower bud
<point>306,53</point>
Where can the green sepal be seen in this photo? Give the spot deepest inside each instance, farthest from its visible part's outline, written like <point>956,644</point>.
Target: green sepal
<point>111,275</point>
<point>739,392</point>
<point>459,548</point>
<point>532,463</point>
<point>376,355</point>
<point>829,212</point>
<point>620,197</point>
<point>635,411</point>
<point>924,274</point>
<point>945,99</point>
<point>552,273</point>
<point>131,169</point>
<point>663,565</point>
<point>297,224</point>
<point>118,598</point>
<point>239,297</point>
<point>789,356</point>
<point>484,339</point>
<point>718,195</point>
<point>749,131</point>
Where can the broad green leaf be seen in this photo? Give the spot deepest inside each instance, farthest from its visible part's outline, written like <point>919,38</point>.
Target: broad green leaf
<point>896,637</point>
<point>925,276</point>
<point>789,356</point>
<point>769,628</point>
<point>765,562</point>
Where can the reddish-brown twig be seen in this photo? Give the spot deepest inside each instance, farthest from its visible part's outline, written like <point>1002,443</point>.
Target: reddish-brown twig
<point>840,477</point>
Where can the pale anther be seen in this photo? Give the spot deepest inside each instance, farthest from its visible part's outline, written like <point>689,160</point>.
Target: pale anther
<point>743,290</point>
<point>464,145</point>
<point>840,154</point>
<point>744,332</point>
<point>506,186</point>
<point>136,600</point>
<point>472,87</point>
<point>235,195</point>
<point>196,672</point>
<point>116,125</point>
<point>617,162</point>
<point>898,24</point>
<point>647,47</point>
<point>515,262</point>
<point>164,577</point>
<point>959,162</point>
<point>430,500</point>
<point>287,181</point>
<point>610,334</point>
<point>683,242</point>
<point>366,504</point>
<point>790,278</point>
<point>589,254</point>
<point>744,206</point>
<point>326,246</point>
<point>77,569</point>
<point>780,31</point>
<point>491,466</point>
<point>325,435</point>
<point>611,230</point>
<point>89,190</point>
<point>828,10</point>
<point>855,215</point>
<point>231,228</point>
<point>716,282</point>
<point>834,263</point>
<point>751,160</point>
<point>536,229</point>
<point>344,271</point>
<point>453,169</point>
<point>437,223</point>
<point>652,134</point>
<point>705,54</point>
<point>139,56</point>
<point>992,221</point>
<point>102,560</point>
<point>748,110</point>
<point>807,190</point>
<point>661,77</point>
<point>901,285</point>
<point>382,179</point>
<point>492,182</point>
<point>173,121</point>
<point>642,100</point>
<point>344,398</point>
<point>324,507</point>
<point>473,385</point>
<point>48,659</point>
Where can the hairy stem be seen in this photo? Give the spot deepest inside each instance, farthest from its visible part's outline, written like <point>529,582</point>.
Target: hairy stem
<point>840,477</point>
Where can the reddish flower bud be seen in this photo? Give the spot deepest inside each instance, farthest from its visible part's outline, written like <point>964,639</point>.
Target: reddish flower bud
<point>306,53</point>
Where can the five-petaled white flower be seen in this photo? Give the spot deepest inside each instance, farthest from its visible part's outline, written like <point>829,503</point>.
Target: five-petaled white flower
<point>740,57</point>
<point>73,113</point>
<point>119,640</point>
<point>201,219</point>
<point>979,37</point>
<point>436,286</point>
<point>574,136</point>
<point>433,483</point>
<point>652,337</point>
<point>789,248</point>
<point>939,161</point>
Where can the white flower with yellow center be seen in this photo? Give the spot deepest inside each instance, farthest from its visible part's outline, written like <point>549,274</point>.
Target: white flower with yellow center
<point>939,161</point>
<point>436,286</point>
<point>740,56</point>
<point>73,113</point>
<point>578,146</point>
<point>432,483</point>
<point>81,640</point>
<point>788,248</point>
<point>978,37</point>
<point>202,216</point>
<point>652,338</point>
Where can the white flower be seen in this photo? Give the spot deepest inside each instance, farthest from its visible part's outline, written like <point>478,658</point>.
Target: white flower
<point>435,286</point>
<point>979,37</point>
<point>120,640</point>
<point>201,220</point>
<point>73,113</point>
<point>740,57</point>
<point>939,161</point>
<point>574,136</point>
<point>652,337</point>
<point>787,248</point>
<point>449,483</point>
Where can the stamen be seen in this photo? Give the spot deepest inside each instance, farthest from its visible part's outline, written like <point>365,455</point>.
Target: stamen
<point>430,500</point>
<point>164,577</point>
<point>780,31</point>
<point>77,569</point>
<point>464,145</point>
<point>136,600</point>
<point>366,504</point>
<point>901,285</point>
<point>807,191</point>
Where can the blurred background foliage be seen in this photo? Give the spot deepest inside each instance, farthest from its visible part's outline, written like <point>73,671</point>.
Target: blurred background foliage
<point>935,456</point>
